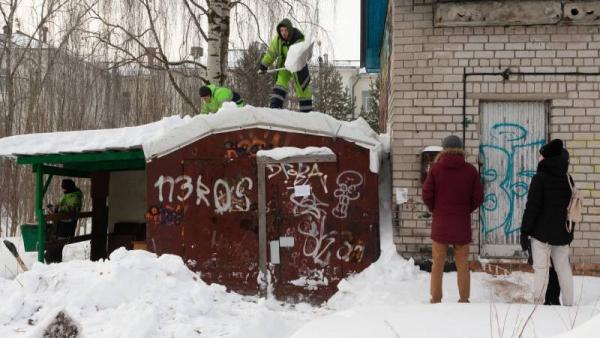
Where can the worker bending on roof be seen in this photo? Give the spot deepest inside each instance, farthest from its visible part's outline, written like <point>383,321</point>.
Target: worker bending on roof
<point>287,35</point>
<point>213,97</point>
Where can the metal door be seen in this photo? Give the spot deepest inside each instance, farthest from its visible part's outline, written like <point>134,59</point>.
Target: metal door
<point>511,135</point>
<point>220,229</point>
<point>302,235</point>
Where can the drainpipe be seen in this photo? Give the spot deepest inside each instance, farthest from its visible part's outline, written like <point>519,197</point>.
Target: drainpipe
<point>354,96</point>
<point>505,75</point>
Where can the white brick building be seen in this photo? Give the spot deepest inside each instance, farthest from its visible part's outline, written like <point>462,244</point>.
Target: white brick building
<point>508,76</point>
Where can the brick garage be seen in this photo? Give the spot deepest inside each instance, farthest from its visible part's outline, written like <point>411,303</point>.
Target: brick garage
<point>423,65</point>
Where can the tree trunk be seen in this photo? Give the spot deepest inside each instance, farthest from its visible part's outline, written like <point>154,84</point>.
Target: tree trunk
<point>218,38</point>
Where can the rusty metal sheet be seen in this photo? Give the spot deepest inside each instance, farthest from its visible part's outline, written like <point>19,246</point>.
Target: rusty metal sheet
<point>164,214</point>
<point>216,227</point>
<point>220,224</point>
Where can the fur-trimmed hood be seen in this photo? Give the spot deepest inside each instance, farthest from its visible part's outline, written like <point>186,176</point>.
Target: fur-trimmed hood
<point>451,157</point>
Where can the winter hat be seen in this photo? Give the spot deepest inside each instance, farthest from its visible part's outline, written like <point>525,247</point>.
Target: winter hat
<point>452,141</point>
<point>68,185</point>
<point>553,148</point>
<point>205,91</point>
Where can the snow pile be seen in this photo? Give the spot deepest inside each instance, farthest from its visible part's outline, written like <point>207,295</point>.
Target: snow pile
<point>591,328</point>
<point>136,294</point>
<point>377,284</point>
<point>286,152</point>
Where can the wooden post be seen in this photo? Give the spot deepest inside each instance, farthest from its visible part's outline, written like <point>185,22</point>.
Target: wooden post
<point>100,182</point>
<point>262,229</point>
<point>39,211</point>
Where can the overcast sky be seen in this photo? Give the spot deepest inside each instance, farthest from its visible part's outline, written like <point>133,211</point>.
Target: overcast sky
<point>341,19</point>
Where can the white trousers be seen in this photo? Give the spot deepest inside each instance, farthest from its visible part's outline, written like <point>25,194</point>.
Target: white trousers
<point>541,264</point>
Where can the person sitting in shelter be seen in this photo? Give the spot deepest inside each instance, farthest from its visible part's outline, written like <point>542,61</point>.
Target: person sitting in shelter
<point>213,97</point>
<point>69,207</point>
<point>287,35</point>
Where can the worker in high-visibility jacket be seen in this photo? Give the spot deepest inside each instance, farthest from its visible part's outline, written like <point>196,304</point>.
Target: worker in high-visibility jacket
<point>213,97</point>
<point>287,35</point>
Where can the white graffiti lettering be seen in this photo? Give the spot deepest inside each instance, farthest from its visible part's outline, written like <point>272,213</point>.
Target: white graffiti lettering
<point>348,183</point>
<point>202,192</point>
<point>302,175</point>
<point>159,184</point>
<point>317,241</point>
<point>226,198</point>
<point>242,187</point>
<point>222,195</point>
<point>310,205</point>
<point>186,185</point>
<point>348,250</point>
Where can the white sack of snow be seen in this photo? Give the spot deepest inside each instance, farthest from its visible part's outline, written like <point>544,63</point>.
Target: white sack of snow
<point>298,55</point>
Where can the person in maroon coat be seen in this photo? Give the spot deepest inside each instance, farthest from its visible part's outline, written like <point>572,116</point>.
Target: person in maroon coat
<point>452,191</point>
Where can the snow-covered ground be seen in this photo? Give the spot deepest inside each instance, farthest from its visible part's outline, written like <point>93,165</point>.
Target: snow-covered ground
<point>136,294</point>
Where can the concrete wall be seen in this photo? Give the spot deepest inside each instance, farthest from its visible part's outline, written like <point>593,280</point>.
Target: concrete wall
<point>427,65</point>
<point>127,197</point>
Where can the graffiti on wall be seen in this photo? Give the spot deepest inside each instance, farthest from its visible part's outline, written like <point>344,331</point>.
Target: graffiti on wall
<point>348,183</point>
<point>301,174</point>
<point>228,195</point>
<point>165,214</point>
<point>318,244</point>
<point>509,163</point>
<point>250,145</point>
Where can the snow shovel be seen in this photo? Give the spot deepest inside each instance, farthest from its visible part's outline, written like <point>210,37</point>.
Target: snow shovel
<point>13,250</point>
<point>297,57</point>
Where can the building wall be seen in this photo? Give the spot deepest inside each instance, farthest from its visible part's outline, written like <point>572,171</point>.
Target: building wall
<point>352,77</point>
<point>426,98</point>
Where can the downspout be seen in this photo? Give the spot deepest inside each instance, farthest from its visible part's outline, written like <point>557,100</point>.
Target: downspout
<point>354,96</point>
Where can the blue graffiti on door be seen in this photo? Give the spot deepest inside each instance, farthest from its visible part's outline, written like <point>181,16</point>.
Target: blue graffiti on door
<point>506,172</point>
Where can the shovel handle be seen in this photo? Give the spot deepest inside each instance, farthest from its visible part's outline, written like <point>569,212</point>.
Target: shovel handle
<point>275,70</point>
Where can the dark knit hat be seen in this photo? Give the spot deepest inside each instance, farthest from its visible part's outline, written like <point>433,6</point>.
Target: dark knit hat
<point>68,185</point>
<point>452,141</point>
<point>553,148</point>
<point>205,91</point>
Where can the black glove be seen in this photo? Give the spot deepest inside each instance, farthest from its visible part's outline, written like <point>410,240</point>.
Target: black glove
<point>262,69</point>
<point>525,242</point>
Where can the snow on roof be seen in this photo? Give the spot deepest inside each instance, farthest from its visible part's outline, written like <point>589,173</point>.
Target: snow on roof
<point>230,119</point>
<point>87,140</point>
<point>172,133</point>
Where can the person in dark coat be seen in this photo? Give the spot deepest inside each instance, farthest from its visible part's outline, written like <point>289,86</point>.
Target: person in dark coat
<point>544,222</point>
<point>452,191</point>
